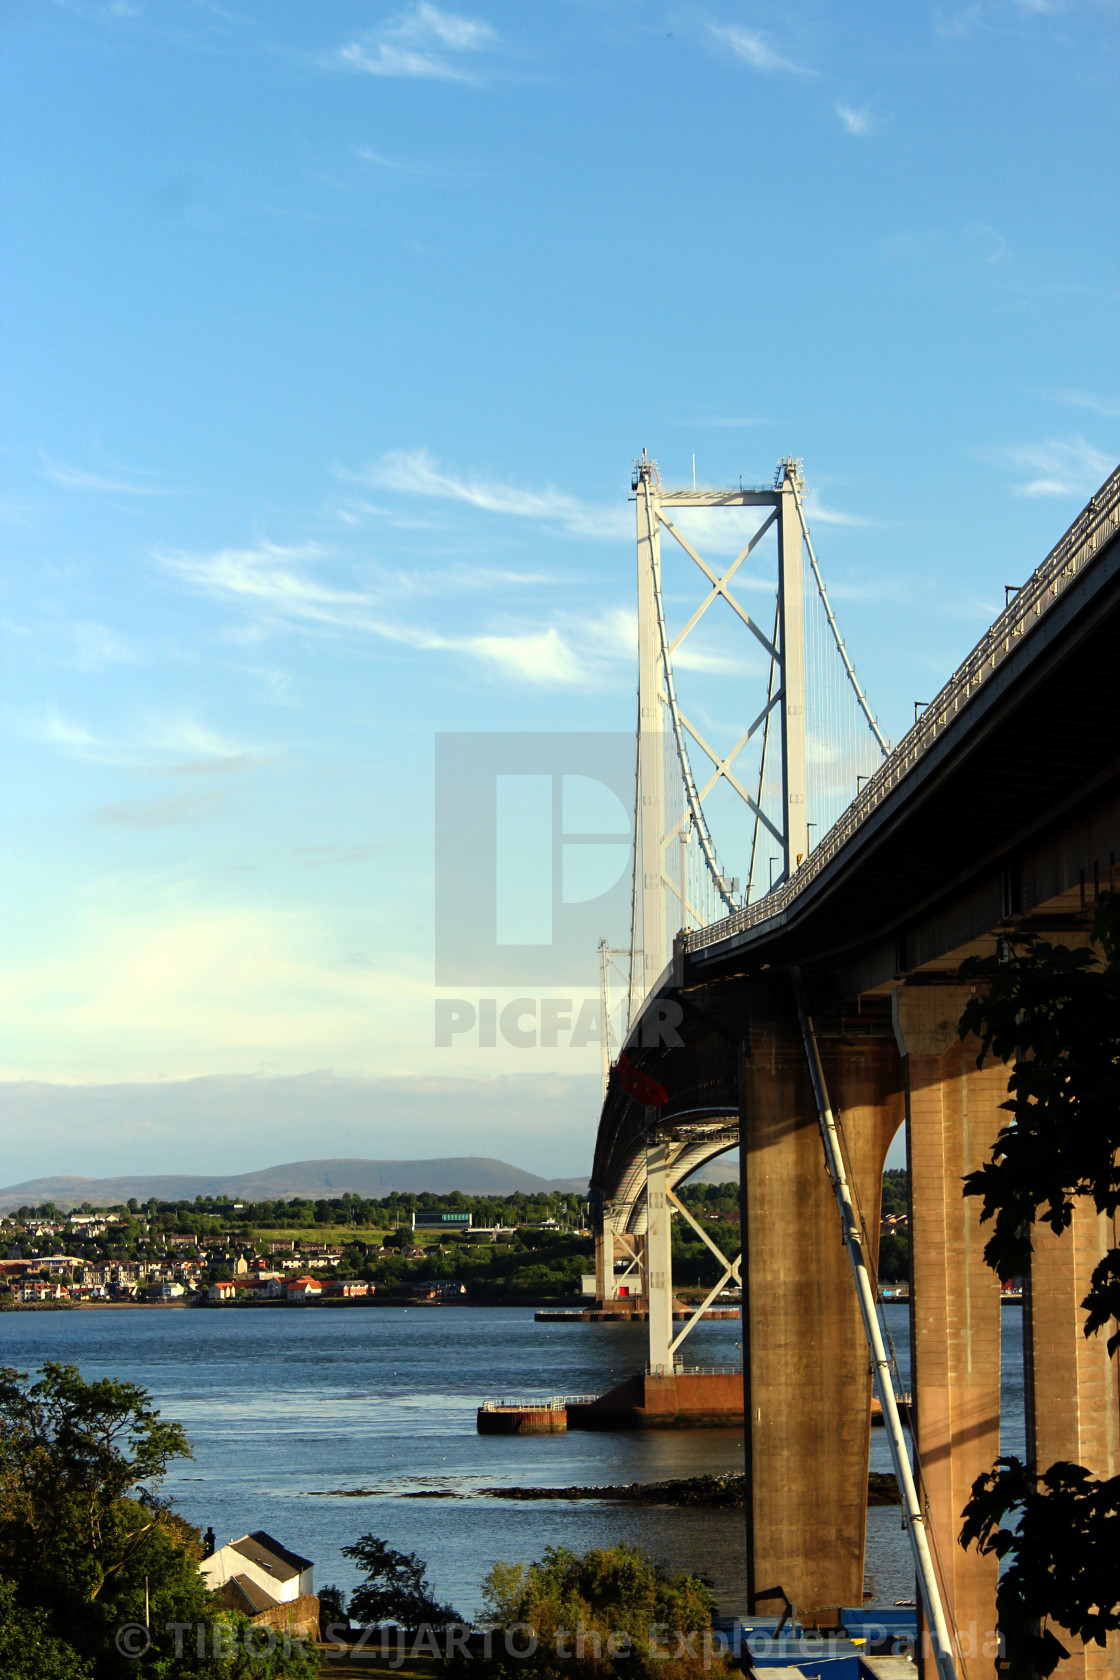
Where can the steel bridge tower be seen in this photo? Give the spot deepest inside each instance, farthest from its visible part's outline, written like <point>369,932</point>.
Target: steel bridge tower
<point>679,882</point>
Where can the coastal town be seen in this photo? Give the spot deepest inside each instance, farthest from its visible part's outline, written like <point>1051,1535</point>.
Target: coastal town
<point>437,1249</point>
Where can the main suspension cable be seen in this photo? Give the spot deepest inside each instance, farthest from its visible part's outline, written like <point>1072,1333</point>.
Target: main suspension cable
<point>865,708</point>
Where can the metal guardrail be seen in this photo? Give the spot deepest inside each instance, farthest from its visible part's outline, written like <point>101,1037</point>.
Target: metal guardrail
<point>551,1403</point>
<point>1095,525</point>
<point>682,1370</point>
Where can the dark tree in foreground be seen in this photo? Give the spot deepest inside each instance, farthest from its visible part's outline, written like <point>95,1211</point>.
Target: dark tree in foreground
<point>1054,1013</point>
<point>396,1589</point>
<point>332,1607</point>
<point>28,1651</point>
<point>88,1548</point>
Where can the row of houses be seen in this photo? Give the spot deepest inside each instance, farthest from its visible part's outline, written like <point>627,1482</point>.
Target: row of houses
<point>307,1288</point>
<point>270,1286</point>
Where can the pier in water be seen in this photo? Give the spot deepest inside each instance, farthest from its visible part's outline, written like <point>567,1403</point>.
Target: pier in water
<point>291,1411</point>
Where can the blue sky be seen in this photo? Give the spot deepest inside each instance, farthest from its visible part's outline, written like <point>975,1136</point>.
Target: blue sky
<point>331,332</point>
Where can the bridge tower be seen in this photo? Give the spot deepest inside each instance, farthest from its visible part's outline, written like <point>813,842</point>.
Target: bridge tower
<point>662,902</point>
<point>826,1012</point>
<point>791,643</point>
<point>649,946</point>
<point>679,882</point>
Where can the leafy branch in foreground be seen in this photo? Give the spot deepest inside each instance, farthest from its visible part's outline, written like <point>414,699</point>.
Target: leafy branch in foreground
<point>89,1548</point>
<point>1054,1013</point>
<point>1063,1551</point>
<point>70,1454</point>
<point>395,1589</point>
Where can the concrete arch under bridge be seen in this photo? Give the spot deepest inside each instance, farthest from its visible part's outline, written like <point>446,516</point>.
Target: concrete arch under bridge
<point>997,814</point>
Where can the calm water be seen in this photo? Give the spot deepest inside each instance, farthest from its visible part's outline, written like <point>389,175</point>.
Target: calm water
<point>282,1406</point>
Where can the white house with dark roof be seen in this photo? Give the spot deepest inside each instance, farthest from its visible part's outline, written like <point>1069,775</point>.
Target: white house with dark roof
<point>257,1563</point>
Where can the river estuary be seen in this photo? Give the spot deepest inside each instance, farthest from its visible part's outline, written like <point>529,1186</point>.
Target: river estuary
<point>286,1408</point>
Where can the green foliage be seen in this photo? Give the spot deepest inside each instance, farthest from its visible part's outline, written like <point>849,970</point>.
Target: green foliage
<point>1055,1014</point>
<point>87,1549</point>
<point>28,1651</point>
<point>609,1611</point>
<point>1062,1550</point>
<point>714,1198</point>
<point>716,1208</point>
<point>395,1590</point>
<point>896,1192</point>
<point>894,1257</point>
<point>332,1607</point>
<point>70,1451</point>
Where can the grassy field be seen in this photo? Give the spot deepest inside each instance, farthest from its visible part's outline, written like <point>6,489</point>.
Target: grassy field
<point>337,1236</point>
<point>319,1236</point>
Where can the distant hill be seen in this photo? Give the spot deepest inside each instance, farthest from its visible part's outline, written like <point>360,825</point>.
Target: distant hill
<point>476,1175</point>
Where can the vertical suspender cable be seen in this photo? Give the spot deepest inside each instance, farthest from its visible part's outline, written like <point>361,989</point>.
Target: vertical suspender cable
<point>835,628</point>
<point>913,1516</point>
<point>762,762</point>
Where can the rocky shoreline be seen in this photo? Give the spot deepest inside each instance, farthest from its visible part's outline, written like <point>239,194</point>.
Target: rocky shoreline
<point>709,1492</point>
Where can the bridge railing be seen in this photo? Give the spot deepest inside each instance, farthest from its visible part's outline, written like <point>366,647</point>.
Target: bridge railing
<point>1095,525</point>
<point>549,1403</point>
<point>680,1369</point>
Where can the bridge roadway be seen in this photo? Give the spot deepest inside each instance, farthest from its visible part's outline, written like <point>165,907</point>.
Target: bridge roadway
<point>998,813</point>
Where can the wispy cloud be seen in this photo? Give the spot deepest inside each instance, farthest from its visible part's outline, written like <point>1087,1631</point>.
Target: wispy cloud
<point>974,242</point>
<point>155,813</point>
<point>273,582</point>
<point>989,241</point>
<point>464,579</point>
<point>122,483</point>
<point>1107,407</point>
<point>317,857</point>
<point>272,577</point>
<point>228,765</point>
<point>755,50</point>
<point>413,472</point>
<point>164,745</point>
<point>386,167</point>
<point>857,120</point>
<point>184,737</point>
<point>991,14</point>
<point>816,511</point>
<point>1058,467</point>
<point>96,645</point>
<point>543,658</point>
<point>420,41</point>
<point>56,731</point>
<point>958,25</point>
<point>459,34</point>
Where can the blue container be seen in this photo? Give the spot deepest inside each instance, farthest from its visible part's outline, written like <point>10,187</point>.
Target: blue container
<point>759,1646</point>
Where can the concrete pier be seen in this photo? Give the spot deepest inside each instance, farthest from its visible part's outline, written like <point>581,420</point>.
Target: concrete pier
<point>685,1400</point>
<point>512,1417</point>
<point>953,1116</point>
<point>1074,1404</point>
<point>809,1383</point>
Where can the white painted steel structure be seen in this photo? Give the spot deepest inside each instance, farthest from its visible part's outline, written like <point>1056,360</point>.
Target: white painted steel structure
<point>680,886</point>
<point>1094,527</point>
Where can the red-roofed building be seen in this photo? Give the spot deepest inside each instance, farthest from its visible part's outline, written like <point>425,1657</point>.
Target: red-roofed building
<point>304,1289</point>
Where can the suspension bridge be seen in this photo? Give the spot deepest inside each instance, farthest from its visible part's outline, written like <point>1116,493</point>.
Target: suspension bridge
<point>807,1010</point>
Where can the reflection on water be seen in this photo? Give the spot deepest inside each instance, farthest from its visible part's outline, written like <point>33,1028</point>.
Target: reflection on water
<point>282,1404</point>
